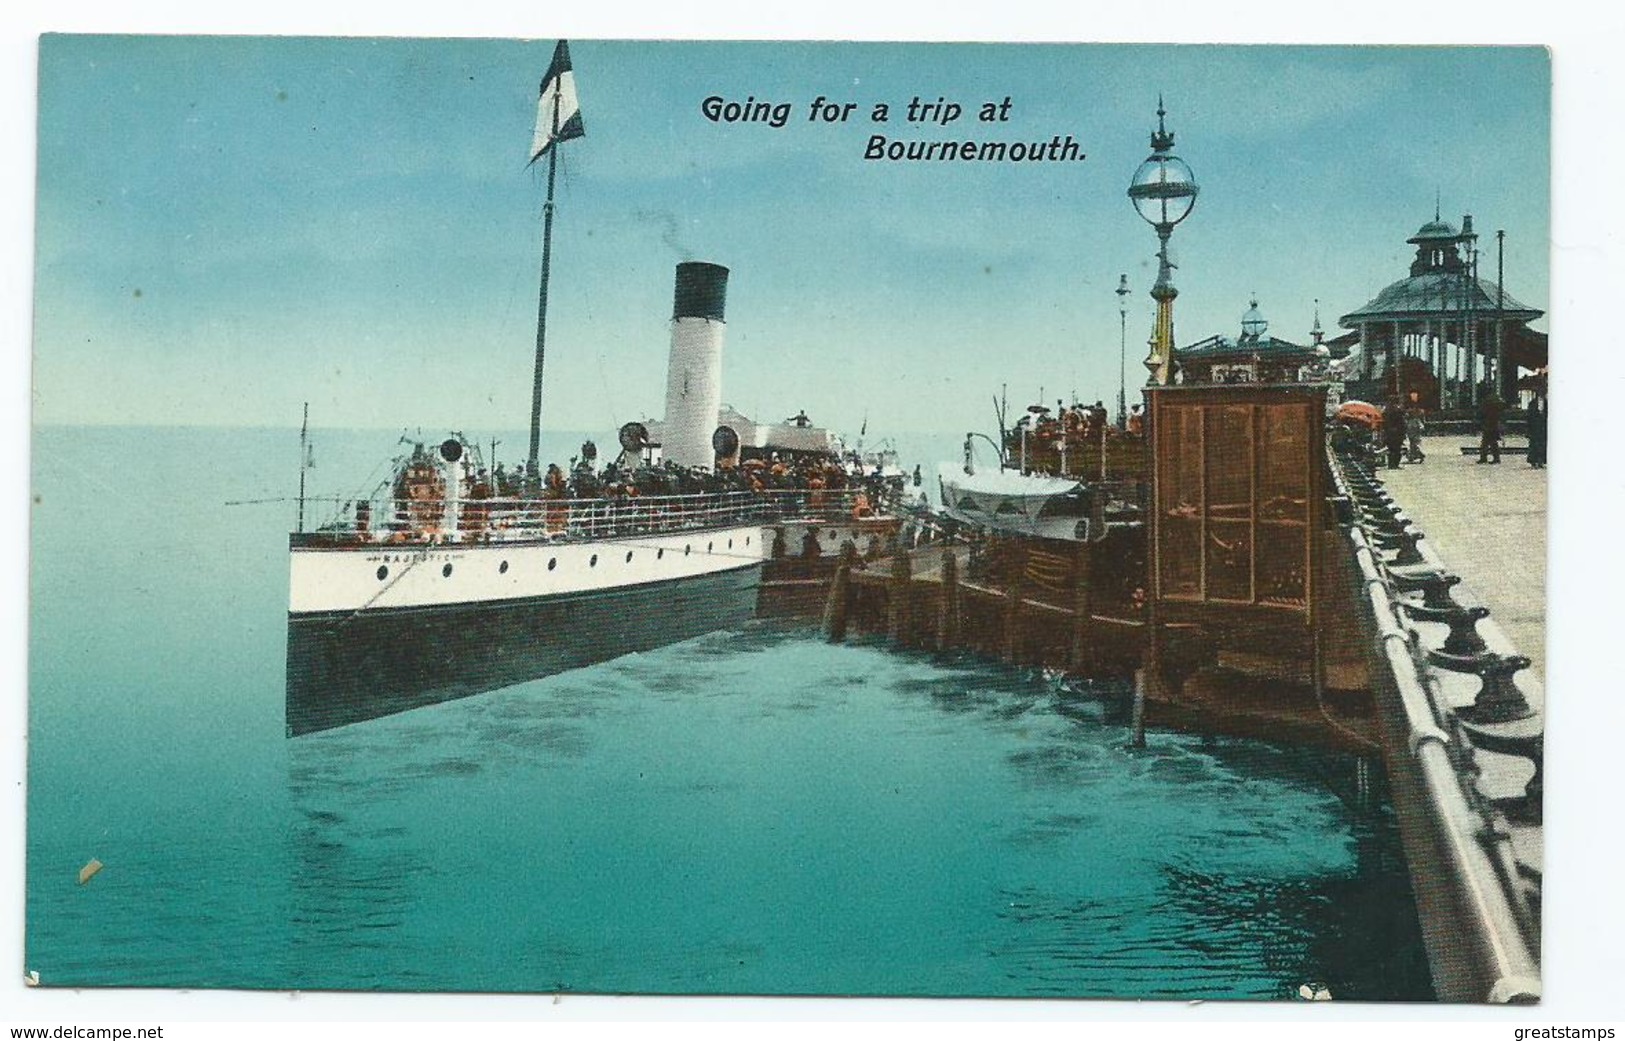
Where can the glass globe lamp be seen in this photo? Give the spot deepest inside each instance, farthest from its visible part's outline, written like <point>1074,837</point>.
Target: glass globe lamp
<point>1163,190</point>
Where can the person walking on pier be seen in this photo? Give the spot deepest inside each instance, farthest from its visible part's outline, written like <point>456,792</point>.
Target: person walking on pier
<point>1414,428</point>
<point>1537,434</point>
<point>1393,431</point>
<point>1489,426</point>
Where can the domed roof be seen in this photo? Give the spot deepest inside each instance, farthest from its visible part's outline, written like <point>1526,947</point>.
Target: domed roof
<point>1253,322</point>
<point>1435,230</point>
<point>1439,295</point>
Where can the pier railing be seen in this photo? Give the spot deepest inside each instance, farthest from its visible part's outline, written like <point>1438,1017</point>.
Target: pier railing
<point>1465,736</point>
<point>422,521</point>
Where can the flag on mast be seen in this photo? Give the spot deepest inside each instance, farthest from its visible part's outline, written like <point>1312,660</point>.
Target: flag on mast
<point>558,114</point>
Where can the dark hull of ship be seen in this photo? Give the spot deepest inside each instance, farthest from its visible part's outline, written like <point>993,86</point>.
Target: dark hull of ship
<point>357,666</point>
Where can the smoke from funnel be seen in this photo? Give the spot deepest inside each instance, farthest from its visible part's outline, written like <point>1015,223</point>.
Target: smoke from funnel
<point>670,234</point>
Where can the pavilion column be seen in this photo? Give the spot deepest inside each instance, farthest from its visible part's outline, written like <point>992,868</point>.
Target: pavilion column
<point>1472,366</point>
<point>1454,356</point>
<point>1448,361</point>
<point>1508,386</point>
<point>1394,354</point>
<point>1365,351</point>
<point>1461,372</point>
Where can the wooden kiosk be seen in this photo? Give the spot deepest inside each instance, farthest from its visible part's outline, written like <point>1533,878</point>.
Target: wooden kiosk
<point>1237,525</point>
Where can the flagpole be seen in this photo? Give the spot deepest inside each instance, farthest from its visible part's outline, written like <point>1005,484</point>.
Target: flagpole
<point>531,468</point>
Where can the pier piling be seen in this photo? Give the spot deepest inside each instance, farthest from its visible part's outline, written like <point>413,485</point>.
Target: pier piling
<point>1082,657</point>
<point>1017,563</point>
<point>948,605</point>
<point>836,606</point>
<point>1137,721</point>
<point>897,598</point>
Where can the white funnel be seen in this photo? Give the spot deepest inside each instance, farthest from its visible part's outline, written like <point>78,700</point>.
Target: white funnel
<point>694,371</point>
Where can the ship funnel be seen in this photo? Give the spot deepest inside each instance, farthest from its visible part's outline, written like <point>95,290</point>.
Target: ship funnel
<point>694,370</point>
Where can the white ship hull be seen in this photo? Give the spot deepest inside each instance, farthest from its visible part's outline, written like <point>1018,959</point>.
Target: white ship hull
<point>361,647</point>
<point>380,577</point>
<point>385,577</point>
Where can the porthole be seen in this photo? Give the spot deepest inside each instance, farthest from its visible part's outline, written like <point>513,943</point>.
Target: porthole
<point>593,561</point>
<point>383,572</point>
<point>730,543</point>
<point>552,563</point>
<point>445,572</point>
<point>502,568</point>
<point>629,556</point>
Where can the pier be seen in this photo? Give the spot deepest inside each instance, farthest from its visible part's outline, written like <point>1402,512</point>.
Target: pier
<point>1393,615</point>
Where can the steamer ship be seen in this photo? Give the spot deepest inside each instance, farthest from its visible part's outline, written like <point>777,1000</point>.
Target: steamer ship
<point>451,578</point>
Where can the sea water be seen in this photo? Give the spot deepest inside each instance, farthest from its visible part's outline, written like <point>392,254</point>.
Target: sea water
<point>753,812</point>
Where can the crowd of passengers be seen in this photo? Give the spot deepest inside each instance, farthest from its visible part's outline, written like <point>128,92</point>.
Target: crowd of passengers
<point>1081,423</point>
<point>417,492</point>
<point>620,481</point>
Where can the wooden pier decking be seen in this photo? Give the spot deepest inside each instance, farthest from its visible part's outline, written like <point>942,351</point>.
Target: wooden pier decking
<point>1489,522</point>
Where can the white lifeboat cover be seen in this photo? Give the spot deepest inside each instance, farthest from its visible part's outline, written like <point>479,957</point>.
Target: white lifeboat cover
<point>998,492</point>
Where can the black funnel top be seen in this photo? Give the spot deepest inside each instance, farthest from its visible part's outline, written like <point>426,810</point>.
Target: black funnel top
<point>702,290</point>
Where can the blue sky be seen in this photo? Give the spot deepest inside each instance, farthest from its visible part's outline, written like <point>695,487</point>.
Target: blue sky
<point>230,226</point>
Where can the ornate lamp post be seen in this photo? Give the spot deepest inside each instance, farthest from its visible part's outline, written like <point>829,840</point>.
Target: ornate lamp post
<point>1122,292</point>
<point>1163,192</point>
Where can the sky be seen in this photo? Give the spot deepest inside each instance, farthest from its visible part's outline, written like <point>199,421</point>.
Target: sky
<point>228,227</point>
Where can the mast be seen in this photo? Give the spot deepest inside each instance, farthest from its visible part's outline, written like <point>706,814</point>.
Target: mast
<point>558,119</point>
<point>304,459</point>
<point>531,469</point>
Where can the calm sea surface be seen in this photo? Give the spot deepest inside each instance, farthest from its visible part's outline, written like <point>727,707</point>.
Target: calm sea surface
<point>752,812</point>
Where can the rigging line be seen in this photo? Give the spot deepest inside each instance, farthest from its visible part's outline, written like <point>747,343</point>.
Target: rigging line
<point>609,399</point>
<point>387,586</point>
<point>278,499</point>
<point>368,480</point>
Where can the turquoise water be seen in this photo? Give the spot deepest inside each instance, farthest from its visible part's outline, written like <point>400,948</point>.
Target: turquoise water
<point>753,812</point>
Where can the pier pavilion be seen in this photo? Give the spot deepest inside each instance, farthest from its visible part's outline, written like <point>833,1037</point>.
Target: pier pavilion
<point>1255,356</point>
<point>1438,332</point>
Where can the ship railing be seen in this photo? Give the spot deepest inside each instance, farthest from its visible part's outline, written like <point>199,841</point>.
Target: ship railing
<point>528,519</point>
